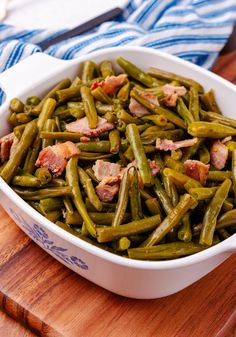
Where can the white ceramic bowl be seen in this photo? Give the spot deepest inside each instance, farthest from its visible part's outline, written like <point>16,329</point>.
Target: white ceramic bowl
<point>131,278</point>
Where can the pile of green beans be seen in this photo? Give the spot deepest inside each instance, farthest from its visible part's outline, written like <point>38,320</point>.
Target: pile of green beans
<point>153,217</point>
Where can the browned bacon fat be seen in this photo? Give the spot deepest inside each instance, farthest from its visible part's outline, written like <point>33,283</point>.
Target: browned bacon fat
<point>55,157</point>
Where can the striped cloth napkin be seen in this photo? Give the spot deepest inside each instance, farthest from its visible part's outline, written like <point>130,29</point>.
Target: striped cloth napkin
<point>195,30</point>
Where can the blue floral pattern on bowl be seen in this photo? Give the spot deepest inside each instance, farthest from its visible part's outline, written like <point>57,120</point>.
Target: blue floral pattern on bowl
<point>39,234</point>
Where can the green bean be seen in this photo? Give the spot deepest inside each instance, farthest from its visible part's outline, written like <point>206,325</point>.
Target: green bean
<point>50,126</point>
<point>106,206</point>
<point>168,76</point>
<point>100,95</point>
<point>162,196</point>
<point>153,206</point>
<point>43,193</point>
<point>43,175</point>
<point>212,212</point>
<point>123,198</point>
<point>12,120</point>
<point>216,117</point>
<point>89,107</point>
<point>159,120</point>
<point>227,219</point>
<point>72,136</point>
<point>110,117</point>
<point>122,244</point>
<point>180,179</point>
<point>203,193</point>
<point>18,130</point>
<point>51,94</point>
<point>185,231</point>
<point>171,190</point>
<point>20,150</point>
<point>165,251</point>
<point>209,102</point>
<point>123,93</point>
<point>91,156</point>
<point>171,163</point>
<point>204,155</point>
<point>76,81</point>
<point>16,105</point>
<point>234,173</point>
<point>192,150</point>
<point>121,125</point>
<point>210,130</point>
<point>150,138</point>
<point>54,216</point>
<point>114,138</point>
<point>73,181</point>
<point>65,95</point>
<point>184,112</point>
<point>89,189</point>
<point>127,118</point>
<point>194,103</point>
<point>68,204</point>
<point>137,73</point>
<point>223,233</point>
<point>101,146</point>
<point>158,109</point>
<point>103,219</point>
<point>170,221</point>
<point>88,70</point>
<point>176,154</point>
<point>26,181</point>
<point>23,118</point>
<point>103,108</point>
<point>129,154</point>
<point>58,182</point>
<point>90,172</point>
<point>219,175</point>
<point>131,228</point>
<point>227,206</point>
<point>106,68</point>
<point>51,204</point>
<point>134,195</point>
<point>33,100</point>
<point>144,194</point>
<point>139,154</point>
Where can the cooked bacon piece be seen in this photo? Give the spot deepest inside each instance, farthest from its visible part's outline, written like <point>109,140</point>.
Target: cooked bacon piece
<point>155,168</point>
<point>55,157</point>
<point>226,139</point>
<point>149,97</point>
<point>172,93</point>
<point>84,139</point>
<point>104,169</point>
<point>111,83</point>
<point>82,126</point>
<point>197,170</point>
<point>106,193</point>
<point>6,143</point>
<point>219,154</point>
<point>169,145</point>
<point>137,109</point>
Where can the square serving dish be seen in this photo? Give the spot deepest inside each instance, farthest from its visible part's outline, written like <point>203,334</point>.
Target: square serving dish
<point>123,276</point>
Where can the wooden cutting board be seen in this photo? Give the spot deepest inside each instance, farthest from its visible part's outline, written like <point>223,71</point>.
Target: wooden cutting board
<point>52,301</point>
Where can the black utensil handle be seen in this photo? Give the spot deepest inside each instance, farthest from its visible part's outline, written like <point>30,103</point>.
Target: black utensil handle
<point>84,27</point>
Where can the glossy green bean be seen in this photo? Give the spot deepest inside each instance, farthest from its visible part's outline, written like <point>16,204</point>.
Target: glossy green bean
<point>89,107</point>
<point>50,192</point>
<point>123,199</point>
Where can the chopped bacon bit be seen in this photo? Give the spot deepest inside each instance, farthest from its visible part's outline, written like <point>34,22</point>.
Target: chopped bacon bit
<point>219,154</point>
<point>169,145</point>
<point>55,157</point>
<point>149,97</point>
<point>137,109</point>
<point>104,169</point>
<point>106,193</point>
<point>196,170</point>
<point>172,93</point>
<point>6,143</point>
<point>155,168</point>
<point>110,84</point>
<point>84,139</point>
<point>226,139</point>
<point>82,126</point>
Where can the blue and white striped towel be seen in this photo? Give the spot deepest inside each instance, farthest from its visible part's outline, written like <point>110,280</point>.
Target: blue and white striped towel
<point>195,30</point>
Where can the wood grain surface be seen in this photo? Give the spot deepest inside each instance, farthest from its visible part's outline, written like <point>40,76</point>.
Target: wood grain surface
<point>52,301</point>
